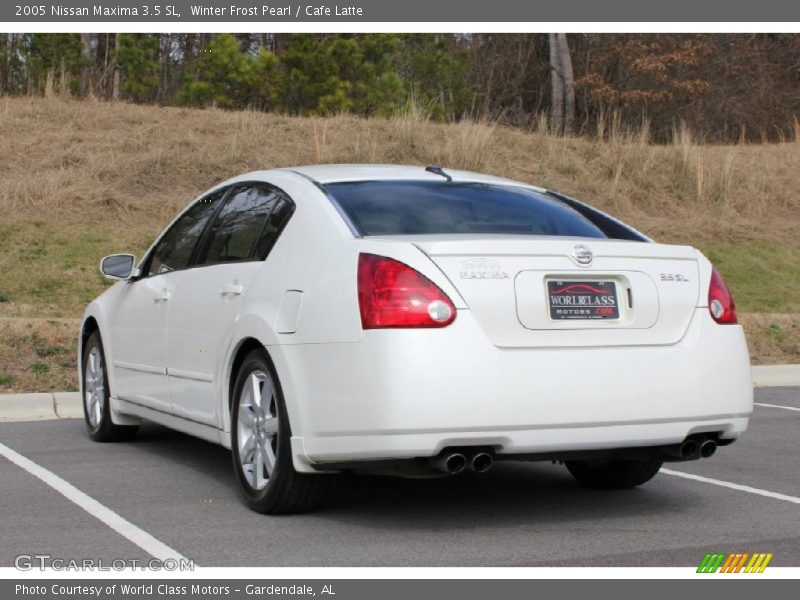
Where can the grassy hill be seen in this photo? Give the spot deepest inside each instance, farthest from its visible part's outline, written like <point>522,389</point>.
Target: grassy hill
<point>79,180</point>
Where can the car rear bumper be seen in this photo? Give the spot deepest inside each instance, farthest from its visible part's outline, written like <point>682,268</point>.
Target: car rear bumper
<point>411,393</point>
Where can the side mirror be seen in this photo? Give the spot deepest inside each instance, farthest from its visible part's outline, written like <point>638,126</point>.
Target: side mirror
<point>119,266</point>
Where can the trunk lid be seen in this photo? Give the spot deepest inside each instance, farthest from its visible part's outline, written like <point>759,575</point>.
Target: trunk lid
<point>546,292</point>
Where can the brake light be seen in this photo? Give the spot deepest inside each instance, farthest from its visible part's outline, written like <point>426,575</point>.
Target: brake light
<point>720,301</point>
<point>392,294</point>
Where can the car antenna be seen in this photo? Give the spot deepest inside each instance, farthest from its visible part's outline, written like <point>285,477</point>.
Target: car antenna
<point>438,171</point>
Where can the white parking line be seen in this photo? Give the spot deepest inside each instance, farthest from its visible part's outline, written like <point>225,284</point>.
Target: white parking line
<point>125,528</point>
<point>777,406</point>
<point>734,486</point>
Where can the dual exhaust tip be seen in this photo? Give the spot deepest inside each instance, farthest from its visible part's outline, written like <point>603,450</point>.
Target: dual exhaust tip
<point>454,462</point>
<point>693,448</point>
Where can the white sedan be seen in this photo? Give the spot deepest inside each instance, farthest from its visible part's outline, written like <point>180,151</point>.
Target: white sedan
<point>413,321</point>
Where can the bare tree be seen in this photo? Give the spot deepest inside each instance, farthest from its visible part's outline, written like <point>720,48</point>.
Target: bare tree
<point>115,83</point>
<point>280,41</point>
<point>5,55</point>
<point>569,84</point>
<point>508,72</point>
<point>562,82</point>
<point>556,86</point>
<point>88,61</point>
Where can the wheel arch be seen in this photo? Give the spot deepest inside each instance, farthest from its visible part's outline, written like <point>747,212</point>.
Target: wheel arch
<point>239,351</point>
<point>244,347</point>
<point>89,326</point>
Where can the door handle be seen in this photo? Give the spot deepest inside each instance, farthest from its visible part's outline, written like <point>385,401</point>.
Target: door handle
<point>162,296</point>
<point>232,289</point>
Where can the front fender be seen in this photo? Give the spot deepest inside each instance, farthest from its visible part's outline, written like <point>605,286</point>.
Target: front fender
<point>101,309</point>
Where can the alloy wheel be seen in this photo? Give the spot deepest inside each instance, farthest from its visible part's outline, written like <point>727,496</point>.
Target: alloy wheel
<point>257,429</point>
<point>94,387</point>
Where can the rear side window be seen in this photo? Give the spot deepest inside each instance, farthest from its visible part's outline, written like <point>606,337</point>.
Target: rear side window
<point>174,250</point>
<point>425,207</point>
<point>281,212</point>
<point>247,226</point>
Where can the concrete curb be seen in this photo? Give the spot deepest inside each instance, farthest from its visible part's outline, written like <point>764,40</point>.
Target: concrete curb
<point>39,407</point>
<point>775,375</point>
<point>67,405</point>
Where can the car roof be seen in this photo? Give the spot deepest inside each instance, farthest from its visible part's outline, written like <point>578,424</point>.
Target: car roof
<point>325,174</point>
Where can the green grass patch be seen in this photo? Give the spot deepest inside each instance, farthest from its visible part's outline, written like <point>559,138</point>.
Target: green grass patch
<point>6,380</point>
<point>39,368</point>
<point>49,350</point>
<point>776,333</point>
<point>763,277</point>
<point>53,269</point>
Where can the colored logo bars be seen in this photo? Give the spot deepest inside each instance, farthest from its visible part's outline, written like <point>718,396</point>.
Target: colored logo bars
<point>734,563</point>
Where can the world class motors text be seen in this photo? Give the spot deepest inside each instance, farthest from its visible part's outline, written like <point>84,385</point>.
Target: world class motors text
<point>165,589</point>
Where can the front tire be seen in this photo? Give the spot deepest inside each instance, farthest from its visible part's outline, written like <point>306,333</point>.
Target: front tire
<point>261,444</point>
<point>96,396</point>
<point>613,474</point>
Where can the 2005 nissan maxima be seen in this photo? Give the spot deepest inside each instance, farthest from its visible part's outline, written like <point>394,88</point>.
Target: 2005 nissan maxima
<point>414,321</point>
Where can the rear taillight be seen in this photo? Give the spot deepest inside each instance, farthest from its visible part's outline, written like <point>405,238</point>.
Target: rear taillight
<point>720,301</point>
<point>392,294</point>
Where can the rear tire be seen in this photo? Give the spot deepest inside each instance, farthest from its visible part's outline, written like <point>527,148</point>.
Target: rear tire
<point>96,396</point>
<point>261,444</point>
<point>613,474</point>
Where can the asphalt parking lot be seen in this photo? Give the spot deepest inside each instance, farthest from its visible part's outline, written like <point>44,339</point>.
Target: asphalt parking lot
<point>182,492</point>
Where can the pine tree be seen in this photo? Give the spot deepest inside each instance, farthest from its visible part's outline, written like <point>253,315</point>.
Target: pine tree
<point>137,64</point>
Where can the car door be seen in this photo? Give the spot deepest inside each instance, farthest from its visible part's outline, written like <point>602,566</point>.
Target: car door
<point>207,300</point>
<point>139,323</point>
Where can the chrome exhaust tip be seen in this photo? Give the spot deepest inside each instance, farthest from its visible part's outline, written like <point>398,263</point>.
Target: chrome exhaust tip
<point>450,462</point>
<point>481,462</point>
<point>455,463</point>
<point>689,448</point>
<point>708,448</point>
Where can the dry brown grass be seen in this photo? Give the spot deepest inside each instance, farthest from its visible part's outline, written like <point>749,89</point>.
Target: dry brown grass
<point>133,166</point>
<point>772,338</point>
<point>38,355</point>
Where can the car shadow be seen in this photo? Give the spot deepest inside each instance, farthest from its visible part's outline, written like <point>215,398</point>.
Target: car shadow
<point>185,451</point>
<point>510,493</point>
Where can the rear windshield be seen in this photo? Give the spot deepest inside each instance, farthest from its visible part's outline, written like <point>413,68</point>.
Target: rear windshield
<point>426,207</point>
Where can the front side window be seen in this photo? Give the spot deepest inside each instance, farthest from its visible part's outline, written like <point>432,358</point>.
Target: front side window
<point>174,250</point>
<point>243,230</point>
<point>425,207</point>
